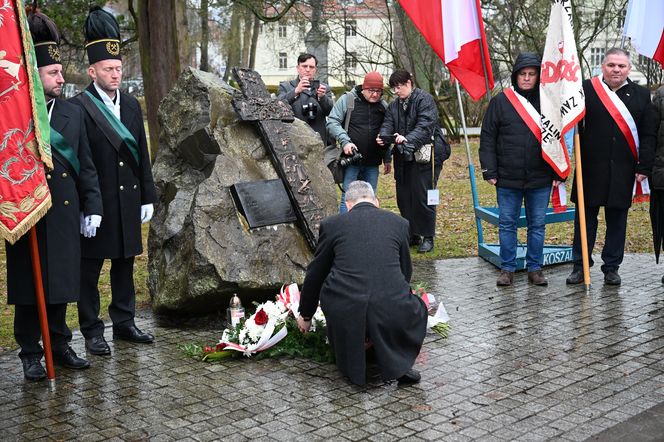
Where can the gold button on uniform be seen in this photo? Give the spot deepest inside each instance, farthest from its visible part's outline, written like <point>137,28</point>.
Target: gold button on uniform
<point>64,174</point>
<point>135,186</point>
<point>48,176</point>
<point>66,203</point>
<point>121,187</point>
<point>121,164</point>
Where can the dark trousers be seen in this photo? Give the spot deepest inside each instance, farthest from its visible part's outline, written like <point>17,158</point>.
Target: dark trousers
<point>614,241</point>
<point>412,183</point>
<point>123,302</point>
<point>28,333</point>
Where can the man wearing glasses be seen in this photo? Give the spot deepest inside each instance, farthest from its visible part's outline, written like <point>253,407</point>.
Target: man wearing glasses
<point>357,136</point>
<point>310,100</point>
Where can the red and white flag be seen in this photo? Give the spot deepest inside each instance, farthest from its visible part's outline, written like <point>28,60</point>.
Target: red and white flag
<point>644,25</point>
<point>455,31</point>
<point>562,103</point>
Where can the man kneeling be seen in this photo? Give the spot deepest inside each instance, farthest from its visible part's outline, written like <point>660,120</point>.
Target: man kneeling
<point>361,272</point>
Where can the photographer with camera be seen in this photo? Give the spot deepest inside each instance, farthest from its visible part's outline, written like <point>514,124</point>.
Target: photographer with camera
<point>310,99</point>
<point>361,153</point>
<point>411,123</point>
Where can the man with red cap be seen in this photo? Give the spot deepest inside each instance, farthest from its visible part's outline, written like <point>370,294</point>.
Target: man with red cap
<point>354,123</point>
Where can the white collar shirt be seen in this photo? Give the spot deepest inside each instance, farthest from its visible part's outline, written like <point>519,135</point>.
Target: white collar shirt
<point>113,106</point>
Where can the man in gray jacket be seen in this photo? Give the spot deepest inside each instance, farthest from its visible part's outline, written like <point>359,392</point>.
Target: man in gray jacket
<point>362,154</point>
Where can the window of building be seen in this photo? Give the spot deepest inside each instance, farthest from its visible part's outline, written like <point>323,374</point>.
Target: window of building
<point>283,60</point>
<point>596,55</point>
<point>282,30</point>
<point>351,28</point>
<point>351,60</point>
<point>599,19</point>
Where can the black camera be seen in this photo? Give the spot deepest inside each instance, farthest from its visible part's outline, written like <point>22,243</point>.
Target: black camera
<point>347,160</point>
<point>310,110</point>
<point>407,150</point>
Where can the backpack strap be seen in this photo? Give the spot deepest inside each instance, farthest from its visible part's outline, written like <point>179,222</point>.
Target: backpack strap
<point>350,105</point>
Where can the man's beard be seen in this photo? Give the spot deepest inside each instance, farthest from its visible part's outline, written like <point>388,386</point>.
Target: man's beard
<point>51,94</point>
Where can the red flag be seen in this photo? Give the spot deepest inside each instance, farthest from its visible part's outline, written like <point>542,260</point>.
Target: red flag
<point>455,31</point>
<point>24,130</point>
<point>644,25</point>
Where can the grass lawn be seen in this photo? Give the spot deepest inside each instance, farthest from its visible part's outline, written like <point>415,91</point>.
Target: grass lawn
<point>456,234</point>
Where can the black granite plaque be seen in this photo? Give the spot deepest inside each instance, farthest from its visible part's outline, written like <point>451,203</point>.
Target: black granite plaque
<point>263,203</point>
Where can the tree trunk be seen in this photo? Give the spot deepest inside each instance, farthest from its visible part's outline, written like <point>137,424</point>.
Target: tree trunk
<point>159,57</point>
<point>205,36</point>
<point>234,41</point>
<point>246,38</point>
<point>254,43</point>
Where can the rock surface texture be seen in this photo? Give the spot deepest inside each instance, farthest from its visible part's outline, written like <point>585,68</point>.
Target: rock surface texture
<point>200,248</point>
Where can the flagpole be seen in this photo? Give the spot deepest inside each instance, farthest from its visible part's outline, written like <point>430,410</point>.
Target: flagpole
<point>581,210</point>
<point>41,306</point>
<point>471,167</point>
<point>483,58</point>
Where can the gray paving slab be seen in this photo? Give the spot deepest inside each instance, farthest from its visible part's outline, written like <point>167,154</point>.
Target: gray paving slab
<point>521,363</point>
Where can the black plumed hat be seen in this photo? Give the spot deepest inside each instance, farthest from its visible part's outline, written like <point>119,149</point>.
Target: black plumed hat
<point>46,39</point>
<point>102,35</point>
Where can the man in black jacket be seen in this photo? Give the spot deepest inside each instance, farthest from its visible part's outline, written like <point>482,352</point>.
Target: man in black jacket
<point>75,195</point>
<point>310,100</point>
<point>615,160</point>
<point>413,119</point>
<point>361,273</point>
<point>119,150</point>
<point>511,159</point>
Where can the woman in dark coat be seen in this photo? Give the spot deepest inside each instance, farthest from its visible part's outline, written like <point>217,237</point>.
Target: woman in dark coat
<point>413,119</point>
<point>657,184</point>
<point>361,273</point>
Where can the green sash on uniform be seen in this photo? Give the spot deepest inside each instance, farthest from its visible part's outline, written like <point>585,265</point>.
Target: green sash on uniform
<point>118,126</point>
<point>61,145</point>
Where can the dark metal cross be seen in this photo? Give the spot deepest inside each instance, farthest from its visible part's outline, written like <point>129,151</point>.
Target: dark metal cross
<point>272,118</point>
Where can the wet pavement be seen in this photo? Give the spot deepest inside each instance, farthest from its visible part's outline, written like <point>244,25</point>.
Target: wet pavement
<point>522,363</point>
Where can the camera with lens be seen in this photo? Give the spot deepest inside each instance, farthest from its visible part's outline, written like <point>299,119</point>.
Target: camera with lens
<point>407,150</point>
<point>353,158</point>
<point>310,110</point>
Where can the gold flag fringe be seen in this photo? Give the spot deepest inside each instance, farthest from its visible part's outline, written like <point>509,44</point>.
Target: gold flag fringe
<point>28,222</point>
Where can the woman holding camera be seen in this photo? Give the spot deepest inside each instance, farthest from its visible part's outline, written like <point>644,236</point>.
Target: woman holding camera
<point>412,119</point>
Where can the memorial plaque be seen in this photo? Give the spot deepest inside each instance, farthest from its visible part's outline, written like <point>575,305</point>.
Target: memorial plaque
<point>263,203</point>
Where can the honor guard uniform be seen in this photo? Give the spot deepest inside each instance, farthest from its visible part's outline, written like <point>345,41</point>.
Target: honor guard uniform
<point>119,150</point>
<point>76,202</point>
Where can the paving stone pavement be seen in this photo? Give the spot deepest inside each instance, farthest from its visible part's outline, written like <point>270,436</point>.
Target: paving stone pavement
<point>523,363</point>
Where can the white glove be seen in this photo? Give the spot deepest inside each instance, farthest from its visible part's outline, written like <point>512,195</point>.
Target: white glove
<point>146,213</point>
<point>92,222</point>
<point>82,218</point>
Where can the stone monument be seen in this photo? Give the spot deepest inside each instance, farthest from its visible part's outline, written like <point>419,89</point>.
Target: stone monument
<point>201,247</point>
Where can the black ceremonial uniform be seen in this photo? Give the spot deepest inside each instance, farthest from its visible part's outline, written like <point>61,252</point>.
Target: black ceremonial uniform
<point>58,235</point>
<point>125,185</point>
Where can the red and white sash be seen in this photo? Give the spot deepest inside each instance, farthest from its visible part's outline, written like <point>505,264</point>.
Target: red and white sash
<point>623,118</point>
<point>526,111</point>
<point>533,120</point>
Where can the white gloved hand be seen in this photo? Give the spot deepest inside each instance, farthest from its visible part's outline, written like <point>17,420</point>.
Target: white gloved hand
<point>146,213</point>
<point>92,223</point>
<point>82,218</point>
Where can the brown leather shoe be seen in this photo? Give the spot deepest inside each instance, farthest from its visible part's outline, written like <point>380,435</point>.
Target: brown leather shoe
<point>505,279</point>
<point>537,278</point>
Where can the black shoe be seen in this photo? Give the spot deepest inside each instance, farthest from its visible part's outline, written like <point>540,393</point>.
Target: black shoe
<point>415,240</point>
<point>576,277</point>
<point>98,346</point>
<point>33,369</point>
<point>612,278</point>
<point>411,377</point>
<point>662,279</point>
<point>69,359</point>
<point>132,334</point>
<point>426,246</point>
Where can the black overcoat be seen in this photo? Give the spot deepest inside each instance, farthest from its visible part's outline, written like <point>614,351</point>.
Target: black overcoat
<point>606,160</point>
<point>58,233</point>
<point>361,273</point>
<point>123,189</point>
